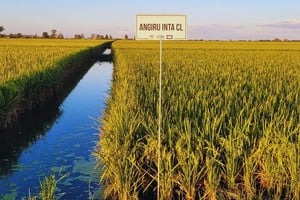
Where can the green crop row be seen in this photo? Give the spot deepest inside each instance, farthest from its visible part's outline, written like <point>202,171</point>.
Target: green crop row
<point>27,67</point>
<point>230,121</point>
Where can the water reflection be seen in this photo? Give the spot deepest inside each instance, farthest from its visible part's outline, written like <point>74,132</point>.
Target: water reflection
<point>32,126</point>
<point>59,135</point>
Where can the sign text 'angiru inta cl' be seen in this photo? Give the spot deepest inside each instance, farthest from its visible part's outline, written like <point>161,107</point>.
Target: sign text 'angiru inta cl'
<point>156,27</point>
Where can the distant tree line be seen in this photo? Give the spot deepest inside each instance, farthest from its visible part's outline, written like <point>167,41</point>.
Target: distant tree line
<point>100,37</point>
<point>53,34</point>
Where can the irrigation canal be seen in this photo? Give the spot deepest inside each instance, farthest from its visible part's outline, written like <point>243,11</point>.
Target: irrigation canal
<point>58,138</point>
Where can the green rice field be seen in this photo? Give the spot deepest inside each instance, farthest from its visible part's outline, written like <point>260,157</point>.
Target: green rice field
<point>230,121</point>
<point>29,66</point>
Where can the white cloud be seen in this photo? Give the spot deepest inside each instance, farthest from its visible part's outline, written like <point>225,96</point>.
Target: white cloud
<point>287,24</point>
<point>219,32</point>
<point>285,29</point>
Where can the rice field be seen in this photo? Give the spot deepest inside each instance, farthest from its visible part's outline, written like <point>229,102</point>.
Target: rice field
<point>230,121</point>
<point>28,66</point>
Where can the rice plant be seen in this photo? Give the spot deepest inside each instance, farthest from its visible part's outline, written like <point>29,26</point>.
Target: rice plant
<point>230,121</point>
<point>28,67</point>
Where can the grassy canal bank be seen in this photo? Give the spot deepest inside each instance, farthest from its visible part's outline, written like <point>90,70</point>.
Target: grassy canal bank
<point>31,71</point>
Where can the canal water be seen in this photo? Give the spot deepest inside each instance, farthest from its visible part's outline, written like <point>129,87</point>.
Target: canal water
<point>58,140</point>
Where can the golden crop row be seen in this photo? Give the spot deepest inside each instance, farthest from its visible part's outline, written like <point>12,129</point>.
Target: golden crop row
<point>28,66</point>
<point>230,121</point>
<point>221,45</point>
<point>24,56</point>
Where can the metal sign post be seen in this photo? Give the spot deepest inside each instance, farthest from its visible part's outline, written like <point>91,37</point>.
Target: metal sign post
<point>160,27</point>
<point>159,119</point>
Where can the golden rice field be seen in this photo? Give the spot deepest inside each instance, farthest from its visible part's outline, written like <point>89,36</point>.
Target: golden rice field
<point>27,66</point>
<point>230,121</point>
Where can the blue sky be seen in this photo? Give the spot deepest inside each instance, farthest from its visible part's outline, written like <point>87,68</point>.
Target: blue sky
<point>207,19</point>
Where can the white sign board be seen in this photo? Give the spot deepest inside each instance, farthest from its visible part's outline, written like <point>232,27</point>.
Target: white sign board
<point>166,27</point>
